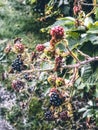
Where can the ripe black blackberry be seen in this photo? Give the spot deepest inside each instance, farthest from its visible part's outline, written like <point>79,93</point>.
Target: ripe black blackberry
<point>28,77</point>
<point>49,115</point>
<point>55,100</point>
<point>17,64</point>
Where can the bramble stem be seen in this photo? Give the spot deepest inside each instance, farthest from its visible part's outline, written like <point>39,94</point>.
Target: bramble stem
<point>70,52</point>
<point>77,65</point>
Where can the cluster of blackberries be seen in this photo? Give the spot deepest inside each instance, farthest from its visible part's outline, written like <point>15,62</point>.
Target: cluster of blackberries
<point>49,115</point>
<point>17,64</point>
<point>55,99</point>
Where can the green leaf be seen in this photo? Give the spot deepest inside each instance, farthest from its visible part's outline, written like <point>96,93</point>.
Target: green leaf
<point>81,86</point>
<point>1,4</point>
<point>61,47</point>
<point>86,72</point>
<point>66,22</point>
<point>3,41</point>
<point>67,18</point>
<point>32,1</point>
<point>1,68</point>
<point>93,31</point>
<point>87,113</point>
<point>96,13</point>
<point>2,56</point>
<point>43,76</point>
<point>73,39</point>
<point>90,103</point>
<point>60,3</point>
<point>96,91</point>
<point>47,65</point>
<point>82,109</point>
<point>94,40</point>
<point>47,44</point>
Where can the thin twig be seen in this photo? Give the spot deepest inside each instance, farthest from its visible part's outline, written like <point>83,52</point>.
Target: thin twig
<point>74,76</point>
<point>83,54</point>
<point>70,52</point>
<point>77,65</point>
<point>89,4</point>
<point>94,4</point>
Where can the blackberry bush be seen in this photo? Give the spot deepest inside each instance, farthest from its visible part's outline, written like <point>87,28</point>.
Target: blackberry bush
<point>57,72</point>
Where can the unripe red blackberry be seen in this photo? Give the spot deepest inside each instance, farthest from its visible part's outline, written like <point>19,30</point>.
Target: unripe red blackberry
<point>60,82</point>
<point>58,59</point>
<point>40,47</point>
<point>63,115</point>
<point>49,52</point>
<point>57,32</point>
<point>17,84</point>
<point>19,47</point>
<point>51,80</point>
<point>76,9</point>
